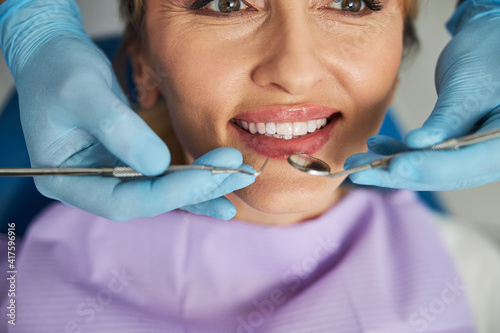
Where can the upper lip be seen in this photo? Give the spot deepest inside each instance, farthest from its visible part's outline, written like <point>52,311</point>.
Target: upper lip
<point>283,114</point>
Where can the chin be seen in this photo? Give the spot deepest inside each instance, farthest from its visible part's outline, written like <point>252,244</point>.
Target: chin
<point>286,199</point>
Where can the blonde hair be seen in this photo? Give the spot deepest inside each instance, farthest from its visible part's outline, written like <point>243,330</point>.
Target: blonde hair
<point>132,11</point>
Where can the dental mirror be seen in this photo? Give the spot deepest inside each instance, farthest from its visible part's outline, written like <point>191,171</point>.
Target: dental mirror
<point>309,164</point>
<point>315,166</point>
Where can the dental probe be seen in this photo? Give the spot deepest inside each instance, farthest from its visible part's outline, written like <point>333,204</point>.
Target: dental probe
<point>117,172</point>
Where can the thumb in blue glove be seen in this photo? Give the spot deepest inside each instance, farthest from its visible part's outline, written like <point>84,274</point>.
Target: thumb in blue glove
<point>467,75</point>
<point>468,85</point>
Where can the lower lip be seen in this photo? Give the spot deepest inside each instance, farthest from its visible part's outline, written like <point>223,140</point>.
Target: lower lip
<point>281,149</point>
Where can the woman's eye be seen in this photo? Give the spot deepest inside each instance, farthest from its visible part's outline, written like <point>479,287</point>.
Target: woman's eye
<point>352,6</point>
<point>226,6</point>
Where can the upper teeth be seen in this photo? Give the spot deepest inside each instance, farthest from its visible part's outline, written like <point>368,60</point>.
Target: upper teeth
<point>282,130</point>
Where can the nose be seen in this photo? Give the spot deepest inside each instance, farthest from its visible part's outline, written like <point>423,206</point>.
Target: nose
<point>291,61</point>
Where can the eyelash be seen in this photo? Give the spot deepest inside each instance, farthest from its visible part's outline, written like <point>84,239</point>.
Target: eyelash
<point>373,5</point>
<point>199,4</point>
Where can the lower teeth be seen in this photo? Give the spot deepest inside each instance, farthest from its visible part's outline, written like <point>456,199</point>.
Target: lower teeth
<point>279,136</point>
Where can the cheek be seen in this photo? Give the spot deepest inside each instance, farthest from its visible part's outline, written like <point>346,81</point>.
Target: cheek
<point>380,69</point>
<point>367,64</point>
<point>366,71</point>
<point>203,81</point>
<point>200,68</point>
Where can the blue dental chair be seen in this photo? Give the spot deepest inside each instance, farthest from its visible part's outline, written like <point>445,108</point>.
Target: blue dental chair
<point>20,201</point>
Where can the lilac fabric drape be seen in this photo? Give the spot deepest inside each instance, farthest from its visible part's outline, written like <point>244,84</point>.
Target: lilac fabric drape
<point>373,263</point>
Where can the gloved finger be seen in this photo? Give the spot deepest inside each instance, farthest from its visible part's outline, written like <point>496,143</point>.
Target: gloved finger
<point>119,200</point>
<point>360,159</point>
<point>437,170</point>
<point>185,188</point>
<point>220,208</point>
<point>491,120</point>
<point>89,98</point>
<point>451,118</point>
<point>224,157</point>
<point>124,200</point>
<point>385,145</point>
<point>125,134</point>
<point>434,132</point>
<point>118,91</point>
<point>467,82</point>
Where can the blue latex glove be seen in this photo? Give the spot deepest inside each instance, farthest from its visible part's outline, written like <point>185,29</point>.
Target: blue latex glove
<point>468,86</point>
<point>75,114</point>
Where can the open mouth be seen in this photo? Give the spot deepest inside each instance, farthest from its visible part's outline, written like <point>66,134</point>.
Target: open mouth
<point>280,131</point>
<point>283,131</point>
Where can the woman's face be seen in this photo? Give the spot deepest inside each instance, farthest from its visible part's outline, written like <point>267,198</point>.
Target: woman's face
<point>315,75</point>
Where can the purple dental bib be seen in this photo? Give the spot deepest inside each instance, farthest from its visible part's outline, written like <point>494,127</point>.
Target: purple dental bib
<point>373,263</point>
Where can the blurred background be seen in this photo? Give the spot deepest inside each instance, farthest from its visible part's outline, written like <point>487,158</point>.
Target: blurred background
<point>414,101</point>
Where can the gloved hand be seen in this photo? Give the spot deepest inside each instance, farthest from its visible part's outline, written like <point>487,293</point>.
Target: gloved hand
<point>468,86</point>
<point>74,114</point>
